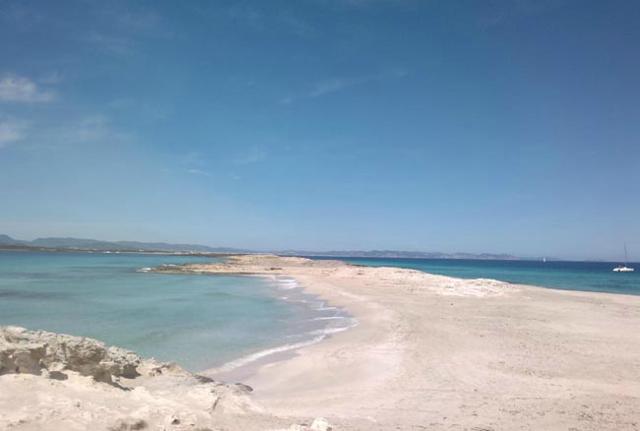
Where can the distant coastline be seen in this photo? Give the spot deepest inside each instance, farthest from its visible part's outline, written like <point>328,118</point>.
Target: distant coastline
<point>27,248</point>
<point>98,246</point>
<point>426,346</point>
<point>399,254</point>
<point>93,245</point>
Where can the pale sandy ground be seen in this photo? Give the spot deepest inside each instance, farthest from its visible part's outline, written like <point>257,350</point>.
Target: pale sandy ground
<point>439,353</point>
<point>429,353</point>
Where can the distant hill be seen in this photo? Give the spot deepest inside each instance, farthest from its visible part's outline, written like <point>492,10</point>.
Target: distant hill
<point>97,245</point>
<point>7,240</point>
<point>398,254</point>
<point>82,244</point>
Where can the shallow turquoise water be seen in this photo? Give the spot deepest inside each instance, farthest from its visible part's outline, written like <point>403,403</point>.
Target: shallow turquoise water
<point>587,276</point>
<point>197,320</point>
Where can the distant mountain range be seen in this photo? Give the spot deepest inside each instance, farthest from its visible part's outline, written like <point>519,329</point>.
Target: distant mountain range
<point>97,245</point>
<point>398,254</point>
<point>81,244</point>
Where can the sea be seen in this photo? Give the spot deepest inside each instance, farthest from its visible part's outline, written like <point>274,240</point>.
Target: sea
<point>201,322</point>
<point>221,322</point>
<point>584,276</point>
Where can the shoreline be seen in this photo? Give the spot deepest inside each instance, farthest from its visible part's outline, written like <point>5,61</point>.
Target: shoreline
<point>429,352</point>
<point>424,346</point>
<point>246,366</point>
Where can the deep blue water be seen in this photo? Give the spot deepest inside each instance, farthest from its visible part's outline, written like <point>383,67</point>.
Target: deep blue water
<point>198,321</point>
<point>587,276</point>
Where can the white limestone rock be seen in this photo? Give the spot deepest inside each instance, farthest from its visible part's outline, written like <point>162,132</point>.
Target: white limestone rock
<point>46,353</point>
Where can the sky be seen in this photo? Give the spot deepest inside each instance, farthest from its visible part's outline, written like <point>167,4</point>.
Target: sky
<point>502,126</point>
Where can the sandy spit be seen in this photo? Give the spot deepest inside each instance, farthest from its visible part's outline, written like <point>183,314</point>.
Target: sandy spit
<point>428,353</point>
<point>434,352</point>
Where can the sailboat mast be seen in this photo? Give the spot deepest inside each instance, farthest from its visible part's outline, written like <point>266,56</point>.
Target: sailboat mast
<point>626,258</point>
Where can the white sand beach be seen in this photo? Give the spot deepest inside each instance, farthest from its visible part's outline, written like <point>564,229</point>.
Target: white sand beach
<point>428,352</point>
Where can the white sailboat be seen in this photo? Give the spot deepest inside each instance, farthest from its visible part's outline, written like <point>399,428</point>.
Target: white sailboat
<point>624,268</point>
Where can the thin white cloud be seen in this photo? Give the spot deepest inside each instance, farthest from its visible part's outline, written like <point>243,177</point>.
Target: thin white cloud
<point>21,15</point>
<point>11,131</point>
<point>143,110</point>
<point>265,18</point>
<point>87,131</point>
<point>335,85</point>
<point>254,154</point>
<point>51,78</point>
<point>195,164</point>
<point>118,45</point>
<point>193,158</point>
<point>20,89</point>
<point>91,129</point>
<point>148,22</point>
<point>123,29</point>
<point>499,13</point>
<point>199,172</point>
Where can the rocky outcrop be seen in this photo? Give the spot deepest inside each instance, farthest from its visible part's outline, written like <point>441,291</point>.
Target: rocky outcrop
<point>141,394</point>
<point>46,353</point>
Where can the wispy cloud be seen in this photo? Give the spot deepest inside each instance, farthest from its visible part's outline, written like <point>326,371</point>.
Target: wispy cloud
<point>20,15</point>
<point>91,128</point>
<point>498,13</point>
<point>120,30</point>
<point>118,45</point>
<point>193,158</point>
<point>199,172</point>
<point>268,19</point>
<point>254,154</point>
<point>23,90</point>
<point>334,85</point>
<point>68,134</point>
<point>141,109</point>
<point>50,78</point>
<point>195,164</point>
<point>143,21</point>
<point>363,4</point>
<point>96,129</point>
<point>11,131</point>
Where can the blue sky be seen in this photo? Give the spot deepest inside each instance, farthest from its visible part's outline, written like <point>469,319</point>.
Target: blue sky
<point>480,126</point>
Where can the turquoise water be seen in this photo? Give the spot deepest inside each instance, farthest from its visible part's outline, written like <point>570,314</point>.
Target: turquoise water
<point>587,276</point>
<point>204,321</point>
<point>198,321</point>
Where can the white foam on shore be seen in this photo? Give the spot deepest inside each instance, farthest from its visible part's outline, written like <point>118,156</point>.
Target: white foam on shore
<point>327,308</point>
<point>286,283</point>
<point>245,360</point>
<point>319,335</point>
<point>335,330</point>
<point>299,301</point>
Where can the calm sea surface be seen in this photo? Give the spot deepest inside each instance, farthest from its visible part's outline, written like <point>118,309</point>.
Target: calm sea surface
<point>204,321</point>
<point>198,321</point>
<point>589,276</point>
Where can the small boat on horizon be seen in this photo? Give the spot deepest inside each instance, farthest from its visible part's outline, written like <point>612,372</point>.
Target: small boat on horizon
<point>624,268</point>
